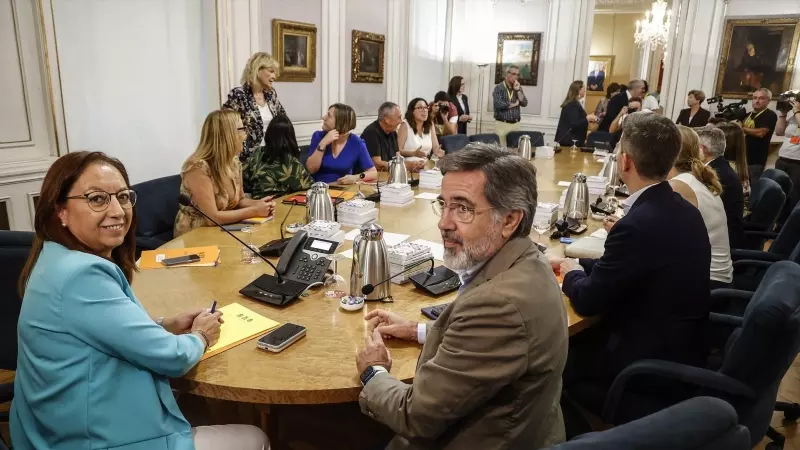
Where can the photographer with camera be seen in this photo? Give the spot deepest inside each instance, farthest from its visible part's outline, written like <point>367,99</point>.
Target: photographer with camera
<point>758,127</point>
<point>634,104</point>
<point>445,115</point>
<point>789,154</point>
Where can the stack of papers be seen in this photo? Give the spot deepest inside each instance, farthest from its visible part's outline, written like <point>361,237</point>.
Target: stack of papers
<point>151,259</point>
<point>600,152</point>
<point>596,184</point>
<point>547,211</point>
<point>397,194</point>
<point>563,199</point>
<point>355,213</point>
<point>545,152</point>
<point>406,255</point>
<point>322,229</point>
<point>431,179</point>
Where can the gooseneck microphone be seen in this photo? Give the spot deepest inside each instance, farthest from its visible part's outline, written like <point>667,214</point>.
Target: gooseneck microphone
<point>375,196</point>
<point>369,288</point>
<point>185,200</point>
<point>275,247</point>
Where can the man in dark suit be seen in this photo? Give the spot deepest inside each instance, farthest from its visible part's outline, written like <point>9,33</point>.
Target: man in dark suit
<point>596,80</point>
<point>694,116</point>
<point>651,285</point>
<point>619,101</point>
<point>712,146</point>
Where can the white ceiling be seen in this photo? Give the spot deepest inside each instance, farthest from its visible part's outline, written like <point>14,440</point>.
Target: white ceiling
<point>623,6</point>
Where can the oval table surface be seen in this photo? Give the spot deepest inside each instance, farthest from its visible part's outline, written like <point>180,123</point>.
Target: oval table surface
<point>319,368</point>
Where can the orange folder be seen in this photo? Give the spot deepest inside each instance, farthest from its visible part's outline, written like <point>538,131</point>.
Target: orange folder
<point>151,259</point>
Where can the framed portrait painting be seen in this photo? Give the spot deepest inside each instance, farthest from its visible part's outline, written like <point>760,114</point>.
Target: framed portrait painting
<point>294,45</point>
<point>367,57</point>
<point>757,53</point>
<point>600,69</point>
<point>521,50</point>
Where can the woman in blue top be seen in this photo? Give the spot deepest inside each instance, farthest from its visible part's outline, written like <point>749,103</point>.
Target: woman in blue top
<point>93,367</point>
<point>336,154</point>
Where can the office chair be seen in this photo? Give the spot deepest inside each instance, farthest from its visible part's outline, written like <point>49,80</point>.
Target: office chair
<point>303,156</point>
<point>15,246</point>
<point>489,138</point>
<point>453,142</point>
<point>760,349</point>
<point>512,138</point>
<point>782,178</point>
<point>600,139</point>
<point>156,208</point>
<point>765,204</point>
<point>700,423</point>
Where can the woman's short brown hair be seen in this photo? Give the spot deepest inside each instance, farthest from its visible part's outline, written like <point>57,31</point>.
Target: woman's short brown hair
<point>698,95</point>
<point>64,172</point>
<point>344,116</point>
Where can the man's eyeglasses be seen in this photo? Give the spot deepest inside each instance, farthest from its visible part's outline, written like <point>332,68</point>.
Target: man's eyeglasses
<point>99,200</point>
<point>463,213</point>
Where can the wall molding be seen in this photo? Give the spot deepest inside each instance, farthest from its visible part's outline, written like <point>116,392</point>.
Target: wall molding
<point>23,81</point>
<point>49,47</point>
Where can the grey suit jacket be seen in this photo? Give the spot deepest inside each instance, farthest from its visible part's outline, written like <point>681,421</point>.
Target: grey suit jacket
<point>489,375</point>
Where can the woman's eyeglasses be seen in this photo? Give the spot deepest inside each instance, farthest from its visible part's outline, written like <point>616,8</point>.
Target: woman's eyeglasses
<point>241,129</point>
<point>99,200</point>
<point>420,108</point>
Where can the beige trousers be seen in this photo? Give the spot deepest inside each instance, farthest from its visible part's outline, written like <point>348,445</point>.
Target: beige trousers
<point>234,437</point>
<point>503,128</point>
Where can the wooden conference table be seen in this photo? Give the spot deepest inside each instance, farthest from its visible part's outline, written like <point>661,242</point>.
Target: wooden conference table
<point>320,368</point>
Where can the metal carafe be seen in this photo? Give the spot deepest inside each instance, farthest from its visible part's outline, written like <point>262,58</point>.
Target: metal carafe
<point>397,170</point>
<point>576,204</point>
<point>524,146</point>
<point>319,205</point>
<point>611,170</point>
<point>370,264</point>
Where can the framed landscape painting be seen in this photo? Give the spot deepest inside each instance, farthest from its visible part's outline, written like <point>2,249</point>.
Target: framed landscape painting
<point>756,53</point>
<point>367,57</point>
<point>522,50</point>
<point>294,45</point>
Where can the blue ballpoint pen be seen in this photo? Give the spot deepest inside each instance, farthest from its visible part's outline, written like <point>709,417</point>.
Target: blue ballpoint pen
<point>213,307</point>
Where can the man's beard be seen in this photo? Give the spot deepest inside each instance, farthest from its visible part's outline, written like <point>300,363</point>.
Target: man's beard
<point>470,254</point>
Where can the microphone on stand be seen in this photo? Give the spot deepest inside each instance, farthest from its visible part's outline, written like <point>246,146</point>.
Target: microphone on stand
<point>276,287</point>
<point>274,248</point>
<point>369,288</point>
<point>375,196</point>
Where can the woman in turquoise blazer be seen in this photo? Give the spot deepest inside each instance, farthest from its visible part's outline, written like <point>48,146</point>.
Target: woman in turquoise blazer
<point>93,367</point>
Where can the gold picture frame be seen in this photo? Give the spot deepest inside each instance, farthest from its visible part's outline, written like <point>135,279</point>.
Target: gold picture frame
<point>368,50</point>
<point>520,49</point>
<point>757,52</point>
<point>598,77</point>
<point>294,45</point>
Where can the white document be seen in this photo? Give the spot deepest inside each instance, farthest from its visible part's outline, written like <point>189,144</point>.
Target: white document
<point>600,233</point>
<point>352,234</point>
<point>563,183</point>
<point>347,254</point>
<point>390,238</point>
<point>436,249</point>
<point>427,196</point>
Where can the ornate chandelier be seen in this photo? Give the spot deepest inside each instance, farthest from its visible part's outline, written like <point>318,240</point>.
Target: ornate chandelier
<point>654,28</point>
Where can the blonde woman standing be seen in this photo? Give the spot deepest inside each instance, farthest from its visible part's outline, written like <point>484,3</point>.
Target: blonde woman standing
<point>699,185</point>
<point>256,100</point>
<point>212,177</point>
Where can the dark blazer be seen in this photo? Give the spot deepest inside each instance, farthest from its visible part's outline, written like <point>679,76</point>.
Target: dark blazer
<point>732,199</point>
<point>615,105</point>
<point>462,126</point>
<point>651,285</point>
<point>572,124</point>
<point>699,120</point>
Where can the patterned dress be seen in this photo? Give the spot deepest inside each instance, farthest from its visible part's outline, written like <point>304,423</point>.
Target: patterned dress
<point>276,177</point>
<point>241,99</point>
<point>188,218</point>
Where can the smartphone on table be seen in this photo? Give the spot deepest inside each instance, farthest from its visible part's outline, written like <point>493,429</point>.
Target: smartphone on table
<point>281,337</point>
<point>188,259</point>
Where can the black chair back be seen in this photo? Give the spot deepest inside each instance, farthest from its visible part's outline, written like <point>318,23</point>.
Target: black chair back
<point>156,208</point>
<point>789,236</point>
<point>488,138</point>
<point>512,138</point>
<point>766,201</point>
<point>600,140</point>
<point>782,178</point>
<point>15,246</point>
<point>303,156</point>
<point>453,142</point>
<point>761,351</point>
<point>700,423</point>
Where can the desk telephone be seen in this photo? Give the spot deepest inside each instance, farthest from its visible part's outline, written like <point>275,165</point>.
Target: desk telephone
<point>302,264</point>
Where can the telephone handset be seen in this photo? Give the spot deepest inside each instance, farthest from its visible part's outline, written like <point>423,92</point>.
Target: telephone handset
<point>305,258</point>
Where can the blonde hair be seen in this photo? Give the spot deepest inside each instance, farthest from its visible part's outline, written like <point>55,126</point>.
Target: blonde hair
<point>258,61</point>
<point>689,160</point>
<point>217,147</point>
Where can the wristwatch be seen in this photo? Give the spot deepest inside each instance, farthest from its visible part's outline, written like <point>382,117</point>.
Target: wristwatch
<point>320,148</point>
<point>370,372</point>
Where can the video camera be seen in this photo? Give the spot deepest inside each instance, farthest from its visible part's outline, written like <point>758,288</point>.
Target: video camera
<point>731,112</point>
<point>783,104</point>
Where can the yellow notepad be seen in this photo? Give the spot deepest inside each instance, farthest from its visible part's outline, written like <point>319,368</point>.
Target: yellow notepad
<point>241,324</point>
<point>257,220</point>
<point>151,259</point>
